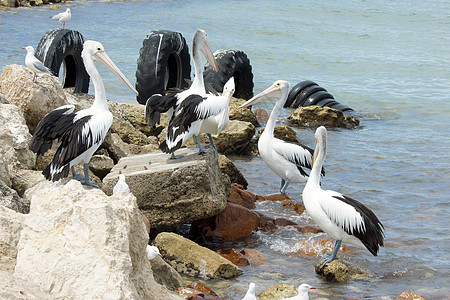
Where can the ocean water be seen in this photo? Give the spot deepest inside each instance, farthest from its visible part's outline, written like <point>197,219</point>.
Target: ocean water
<point>388,60</point>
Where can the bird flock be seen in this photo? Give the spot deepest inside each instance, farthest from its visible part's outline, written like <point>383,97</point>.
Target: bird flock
<point>198,110</point>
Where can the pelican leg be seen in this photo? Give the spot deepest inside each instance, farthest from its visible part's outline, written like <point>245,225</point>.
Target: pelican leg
<point>212,144</point>
<point>284,185</point>
<point>86,180</point>
<point>201,150</point>
<point>329,257</point>
<point>173,156</point>
<point>77,176</point>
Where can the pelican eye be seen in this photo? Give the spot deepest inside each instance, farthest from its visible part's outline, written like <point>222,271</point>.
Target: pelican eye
<point>99,49</point>
<point>278,84</point>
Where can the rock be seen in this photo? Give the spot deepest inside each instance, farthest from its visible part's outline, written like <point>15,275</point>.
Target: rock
<point>135,114</point>
<point>4,172</point>
<point>228,167</point>
<point>408,295</point>
<point>3,100</point>
<point>235,257</point>
<point>171,192</point>
<point>315,116</point>
<point>308,229</point>
<point>341,272</point>
<point>11,224</point>
<point>83,244</point>
<point>282,132</point>
<point>44,160</point>
<point>116,147</point>
<point>284,222</point>
<point>254,256</point>
<point>35,100</point>
<point>100,165</point>
<point>14,288</point>
<point>196,285</point>
<point>266,224</point>
<point>166,275</point>
<point>242,114</point>
<point>15,138</point>
<point>298,207</point>
<point>190,293</point>
<point>278,291</point>
<point>239,196</point>
<point>316,247</point>
<point>22,180</point>
<point>10,199</point>
<point>235,138</point>
<point>261,115</point>
<point>235,222</point>
<point>274,197</point>
<point>146,222</point>
<point>191,259</point>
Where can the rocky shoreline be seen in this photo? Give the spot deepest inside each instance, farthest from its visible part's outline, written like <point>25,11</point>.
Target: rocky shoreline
<point>5,4</point>
<point>82,242</point>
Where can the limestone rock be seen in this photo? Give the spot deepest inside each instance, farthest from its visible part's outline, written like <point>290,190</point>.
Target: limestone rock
<point>11,224</point>
<point>278,291</point>
<point>315,116</point>
<point>228,167</point>
<point>235,138</point>
<point>83,244</point>
<point>235,222</point>
<point>166,275</point>
<point>170,191</point>
<point>242,114</point>
<point>116,147</point>
<point>22,180</point>
<point>10,199</point>
<point>189,258</point>
<point>17,289</point>
<point>261,115</point>
<point>4,172</point>
<point>3,100</point>
<point>15,138</point>
<point>34,99</point>
<point>100,165</point>
<point>282,132</point>
<point>135,114</point>
<point>342,272</point>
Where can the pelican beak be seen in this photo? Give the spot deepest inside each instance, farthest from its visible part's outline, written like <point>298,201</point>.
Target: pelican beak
<point>206,50</point>
<point>103,58</point>
<point>271,92</point>
<point>316,152</point>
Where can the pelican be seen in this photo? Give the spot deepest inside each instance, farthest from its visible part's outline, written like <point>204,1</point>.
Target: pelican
<point>63,17</point>
<point>34,64</point>
<point>286,159</point>
<point>121,185</point>
<point>343,218</point>
<point>158,104</point>
<point>303,291</point>
<point>152,252</point>
<point>193,112</point>
<point>82,132</point>
<point>250,295</point>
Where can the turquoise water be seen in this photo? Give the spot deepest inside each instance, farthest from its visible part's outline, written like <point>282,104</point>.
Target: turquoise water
<point>389,60</point>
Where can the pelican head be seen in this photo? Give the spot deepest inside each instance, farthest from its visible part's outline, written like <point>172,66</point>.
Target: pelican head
<point>94,50</point>
<point>228,88</point>
<point>279,89</point>
<point>201,43</point>
<point>321,143</point>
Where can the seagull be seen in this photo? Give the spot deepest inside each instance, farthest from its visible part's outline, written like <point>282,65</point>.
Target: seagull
<point>63,18</point>
<point>121,185</point>
<point>286,159</point>
<point>193,112</point>
<point>80,133</point>
<point>343,218</point>
<point>250,295</point>
<point>34,64</point>
<point>158,104</point>
<point>152,252</point>
<point>303,291</point>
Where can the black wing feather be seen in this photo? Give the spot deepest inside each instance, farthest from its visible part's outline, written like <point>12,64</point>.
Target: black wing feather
<point>158,104</point>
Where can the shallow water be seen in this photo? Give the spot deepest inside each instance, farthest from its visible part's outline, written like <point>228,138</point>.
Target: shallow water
<point>389,60</point>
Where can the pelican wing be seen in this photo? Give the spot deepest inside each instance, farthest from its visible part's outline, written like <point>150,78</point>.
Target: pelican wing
<point>158,104</point>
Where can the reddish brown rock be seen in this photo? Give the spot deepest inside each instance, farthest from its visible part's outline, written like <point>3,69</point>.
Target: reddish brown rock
<point>239,196</point>
<point>408,295</point>
<point>261,115</point>
<point>235,257</point>
<point>275,197</point>
<point>284,222</point>
<point>254,256</point>
<point>196,285</point>
<point>189,293</point>
<point>266,223</point>
<point>308,229</point>
<point>296,206</point>
<point>236,221</point>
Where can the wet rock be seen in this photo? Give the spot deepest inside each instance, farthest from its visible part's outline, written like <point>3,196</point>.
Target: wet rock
<point>10,199</point>
<point>315,116</point>
<point>278,291</point>
<point>282,132</point>
<point>235,222</point>
<point>261,115</point>
<point>242,114</point>
<point>190,293</point>
<point>166,275</point>
<point>100,165</point>
<point>298,207</point>
<point>316,247</point>
<point>235,138</point>
<point>284,222</point>
<point>227,167</point>
<point>235,257</point>
<point>342,272</point>
<point>15,138</point>
<point>69,228</point>
<point>274,197</point>
<point>11,225</point>
<point>196,285</point>
<point>408,295</point>
<point>254,256</point>
<point>194,260</point>
<point>239,196</point>
<point>308,229</point>
<point>171,192</point>
<point>266,223</point>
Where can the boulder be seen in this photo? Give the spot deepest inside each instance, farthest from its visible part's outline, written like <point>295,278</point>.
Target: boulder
<point>194,260</point>
<point>4,172</point>
<point>83,244</point>
<point>278,291</point>
<point>408,295</point>
<point>3,100</point>
<point>15,138</point>
<point>196,285</point>
<point>239,196</point>
<point>254,256</point>
<point>282,132</point>
<point>10,199</point>
<point>342,272</point>
<point>11,225</point>
<point>235,257</point>
<point>22,180</point>
<point>235,222</point>
<point>298,207</point>
<point>261,115</point>
<point>266,223</point>
<point>171,192</point>
<point>242,114</point>
<point>17,289</point>
<point>100,165</point>
<point>166,275</point>
<point>235,138</point>
<point>116,147</point>
<point>135,114</point>
<point>228,167</point>
<point>315,116</point>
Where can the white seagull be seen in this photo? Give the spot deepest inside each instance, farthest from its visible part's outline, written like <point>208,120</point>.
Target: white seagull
<point>303,291</point>
<point>286,159</point>
<point>34,64</point>
<point>152,252</point>
<point>82,132</point>
<point>343,218</point>
<point>63,17</point>
<point>158,104</point>
<point>250,295</point>
<point>121,185</point>
<point>192,113</point>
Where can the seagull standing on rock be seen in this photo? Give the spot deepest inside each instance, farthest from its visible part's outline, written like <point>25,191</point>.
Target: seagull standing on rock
<point>63,17</point>
<point>121,185</point>
<point>152,252</point>
<point>250,295</point>
<point>303,291</point>
<point>34,64</point>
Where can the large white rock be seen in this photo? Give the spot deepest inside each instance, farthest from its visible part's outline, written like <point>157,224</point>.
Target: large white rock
<point>11,224</point>
<point>78,243</point>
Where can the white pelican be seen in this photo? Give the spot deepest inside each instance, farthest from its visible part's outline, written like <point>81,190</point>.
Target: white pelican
<point>34,64</point>
<point>286,159</point>
<point>158,104</point>
<point>152,252</point>
<point>192,112</point>
<point>250,295</point>
<point>121,185</point>
<point>303,291</point>
<point>343,218</point>
<point>82,132</point>
<point>63,17</point>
